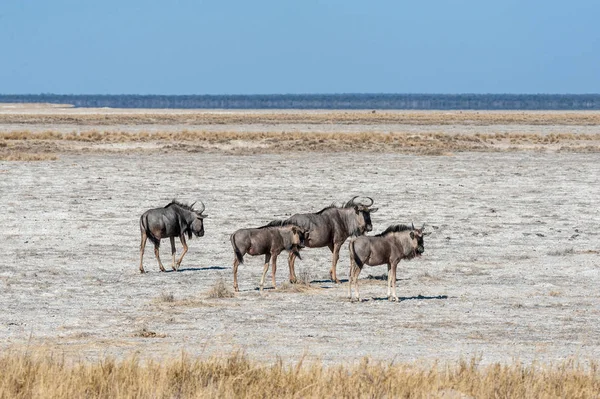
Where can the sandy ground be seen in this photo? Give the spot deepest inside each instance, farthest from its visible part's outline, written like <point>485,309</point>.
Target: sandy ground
<point>510,271</point>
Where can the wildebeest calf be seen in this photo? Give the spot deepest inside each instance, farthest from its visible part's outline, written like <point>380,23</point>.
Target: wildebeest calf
<point>174,220</point>
<point>267,240</point>
<point>395,243</point>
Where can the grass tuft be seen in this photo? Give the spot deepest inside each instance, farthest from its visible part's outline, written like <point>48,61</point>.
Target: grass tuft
<point>220,290</point>
<point>144,332</point>
<point>562,252</point>
<point>166,297</point>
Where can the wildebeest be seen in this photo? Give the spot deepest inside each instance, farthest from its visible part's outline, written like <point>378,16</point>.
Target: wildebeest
<point>330,227</point>
<point>268,240</point>
<point>174,220</point>
<point>395,243</point>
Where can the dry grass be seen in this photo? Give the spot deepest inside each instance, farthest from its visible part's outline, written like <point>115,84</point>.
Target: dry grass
<point>426,143</point>
<point>102,117</point>
<point>26,156</point>
<point>45,375</point>
<point>165,297</point>
<point>562,252</point>
<point>220,290</point>
<point>302,284</point>
<point>144,332</point>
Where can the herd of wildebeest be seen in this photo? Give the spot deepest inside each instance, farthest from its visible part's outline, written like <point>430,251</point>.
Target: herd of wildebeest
<point>330,227</point>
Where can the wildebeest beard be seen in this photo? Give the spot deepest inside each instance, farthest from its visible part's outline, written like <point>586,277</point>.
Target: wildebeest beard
<point>358,232</point>
<point>296,251</point>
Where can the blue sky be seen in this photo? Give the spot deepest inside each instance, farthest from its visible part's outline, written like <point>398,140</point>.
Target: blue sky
<point>278,47</point>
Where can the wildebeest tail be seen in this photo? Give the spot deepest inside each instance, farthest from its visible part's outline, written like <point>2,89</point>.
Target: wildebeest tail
<point>356,259</point>
<point>144,227</point>
<point>237,252</point>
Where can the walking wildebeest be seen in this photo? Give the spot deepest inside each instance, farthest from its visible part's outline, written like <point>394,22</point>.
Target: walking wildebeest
<point>268,240</point>
<point>174,220</point>
<point>330,227</point>
<point>395,243</point>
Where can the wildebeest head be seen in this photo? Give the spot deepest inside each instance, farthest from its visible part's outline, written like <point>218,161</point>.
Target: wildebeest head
<point>416,235</point>
<point>363,215</point>
<point>299,236</point>
<point>197,226</point>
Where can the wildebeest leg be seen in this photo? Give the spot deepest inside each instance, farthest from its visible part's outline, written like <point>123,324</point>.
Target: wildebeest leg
<point>350,278</point>
<point>389,281</point>
<point>273,269</point>
<point>173,252</point>
<point>185,249</point>
<point>351,281</point>
<point>355,274</point>
<point>142,247</point>
<point>235,267</point>
<point>291,260</point>
<point>394,267</point>
<point>265,269</point>
<point>335,249</point>
<point>162,269</point>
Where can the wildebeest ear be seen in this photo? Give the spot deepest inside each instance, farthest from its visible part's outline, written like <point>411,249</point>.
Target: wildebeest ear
<point>372,210</point>
<point>412,235</point>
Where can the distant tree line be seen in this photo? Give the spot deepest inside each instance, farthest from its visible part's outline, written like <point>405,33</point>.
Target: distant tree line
<point>325,101</point>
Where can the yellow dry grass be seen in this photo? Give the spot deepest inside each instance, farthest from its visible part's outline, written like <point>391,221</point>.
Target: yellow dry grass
<point>42,375</point>
<point>220,290</point>
<point>26,156</point>
<point>427,143</point>
<point>203,117</point>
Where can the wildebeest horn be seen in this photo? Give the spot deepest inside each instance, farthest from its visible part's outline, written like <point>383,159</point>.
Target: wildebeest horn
<point>413,225</point>
<point>423,227</point>
<point>203,207</point>
<point>193,203</point>
<point>372,202</point>
<point>352,200</point>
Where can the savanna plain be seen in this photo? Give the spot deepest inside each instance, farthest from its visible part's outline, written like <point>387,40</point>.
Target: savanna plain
<point>504,301</point>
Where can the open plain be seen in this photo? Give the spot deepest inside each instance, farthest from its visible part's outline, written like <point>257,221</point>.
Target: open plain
<point>511,269</point>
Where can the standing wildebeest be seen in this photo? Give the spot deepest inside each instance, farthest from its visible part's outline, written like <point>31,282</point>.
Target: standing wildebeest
<point>395,243</point>
<point>267,240</point>
<point>174,220</point>
<point>330,227</point>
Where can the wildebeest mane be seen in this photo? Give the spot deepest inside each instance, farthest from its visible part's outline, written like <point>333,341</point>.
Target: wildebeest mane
<point>274,223</point>
<point>326,208</point>
<point>349,204</point>
<point>395,228</point>
<point>181,205</point>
